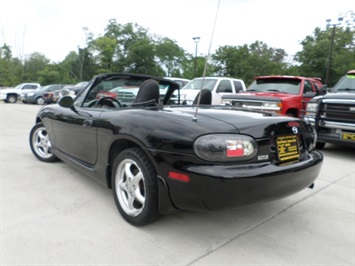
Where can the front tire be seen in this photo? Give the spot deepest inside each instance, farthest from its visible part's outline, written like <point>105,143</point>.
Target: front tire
<point>40,144</point>
<point>135,187</point>
<point>11,98</point>
<point>39,101</point>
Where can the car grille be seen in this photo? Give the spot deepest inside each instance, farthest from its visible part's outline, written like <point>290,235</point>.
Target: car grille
<point>126,95</point>
<point>338,112</point>
<point>246,103</point>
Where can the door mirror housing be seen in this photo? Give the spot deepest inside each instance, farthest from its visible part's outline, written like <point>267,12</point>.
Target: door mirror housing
<point>66,102</point>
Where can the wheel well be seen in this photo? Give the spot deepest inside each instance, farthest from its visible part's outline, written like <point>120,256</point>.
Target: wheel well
<point>12,94</point>
<point>116,148</point>
<point>293,111</point>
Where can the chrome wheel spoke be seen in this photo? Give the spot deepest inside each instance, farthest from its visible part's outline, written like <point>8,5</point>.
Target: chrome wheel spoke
<point>138,193</point>
<point>130,187</point>
<point>41,143</point>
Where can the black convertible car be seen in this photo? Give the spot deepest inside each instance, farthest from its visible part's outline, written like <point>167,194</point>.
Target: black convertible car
<point>159,157</point>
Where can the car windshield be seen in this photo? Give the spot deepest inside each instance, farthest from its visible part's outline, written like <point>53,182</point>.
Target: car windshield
<point>42,88</point>
<point>345,84</point>
<point>281,85</point>
<point>196,84</point>
<point>123,89</point>
<point>18,87</point>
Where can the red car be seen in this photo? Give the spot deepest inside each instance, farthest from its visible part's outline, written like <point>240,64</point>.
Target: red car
<point>287,95</point>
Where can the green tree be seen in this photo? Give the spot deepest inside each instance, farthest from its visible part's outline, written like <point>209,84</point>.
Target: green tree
<point>33,65</point>
<point>331,48</point>
<point>51,74</point>
<point>170,56</point>
<point>104,48</point>
<point>141,58</point>
<point>248,61</point>
<point>10,68</point>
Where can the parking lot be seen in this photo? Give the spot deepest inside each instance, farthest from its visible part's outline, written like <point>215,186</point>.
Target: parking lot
<point>51,214</point>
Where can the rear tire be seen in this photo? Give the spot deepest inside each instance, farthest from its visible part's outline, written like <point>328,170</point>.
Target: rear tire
<point>135,187</point>
<point>40,144</point>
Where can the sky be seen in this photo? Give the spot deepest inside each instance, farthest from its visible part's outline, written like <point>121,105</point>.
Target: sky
<point>55,27</point>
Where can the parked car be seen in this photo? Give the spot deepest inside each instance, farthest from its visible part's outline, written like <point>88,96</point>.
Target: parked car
<point>36,96</point>
<point>11,95</point>
<point>54,96</point>
<point>78,87</point>
<point>219,86</point>
<point>333,114</point>
<point>127,93</point>
<point>160,158</point>
<point>287,95</point>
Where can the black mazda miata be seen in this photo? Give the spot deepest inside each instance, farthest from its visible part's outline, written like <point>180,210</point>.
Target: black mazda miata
<point>130,133</point>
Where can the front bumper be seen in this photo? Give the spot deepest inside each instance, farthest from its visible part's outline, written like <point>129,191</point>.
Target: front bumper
<point>340,133</point>
<point>29,99</point>
<point>224,186</point>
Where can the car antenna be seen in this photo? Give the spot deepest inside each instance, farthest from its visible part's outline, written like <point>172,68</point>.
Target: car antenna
<point>205,68</point>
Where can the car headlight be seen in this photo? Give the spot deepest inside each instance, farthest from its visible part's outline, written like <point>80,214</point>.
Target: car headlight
<point>276,105</point>
<point>311,109</point>
<point>226,102</point>
<point>225,147</point>
<point>30,94</point>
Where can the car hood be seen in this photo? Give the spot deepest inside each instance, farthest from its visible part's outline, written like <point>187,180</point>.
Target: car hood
<point>336,96</point>
<point>244,121</point>
<point>9,90</point>
<point>264,94</point>
<point>340,95</point>
<point>189,94</point>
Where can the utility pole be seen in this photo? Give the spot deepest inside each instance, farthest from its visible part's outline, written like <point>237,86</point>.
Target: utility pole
<point>196,40</point>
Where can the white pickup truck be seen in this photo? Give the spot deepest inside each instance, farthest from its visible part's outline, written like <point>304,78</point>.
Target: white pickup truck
<point>11,95</point>
<point>217,85</point>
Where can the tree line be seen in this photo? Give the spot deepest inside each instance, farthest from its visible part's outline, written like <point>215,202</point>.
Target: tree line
<point>327,53</point>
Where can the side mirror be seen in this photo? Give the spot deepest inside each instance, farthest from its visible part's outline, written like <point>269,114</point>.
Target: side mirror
<point>66,102</point>
<point>323,90</point>
<point>309,94</point>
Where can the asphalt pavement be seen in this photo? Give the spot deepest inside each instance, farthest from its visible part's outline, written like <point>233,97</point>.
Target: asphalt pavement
<point>52,214</point>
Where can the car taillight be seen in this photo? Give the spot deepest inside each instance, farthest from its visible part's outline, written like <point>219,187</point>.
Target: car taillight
<point>225,147</point>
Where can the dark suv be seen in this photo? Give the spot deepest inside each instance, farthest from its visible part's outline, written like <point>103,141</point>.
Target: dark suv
<point>333,114</point>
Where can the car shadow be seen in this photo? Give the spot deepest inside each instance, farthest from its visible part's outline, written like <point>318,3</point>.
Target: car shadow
<point>338,150</point>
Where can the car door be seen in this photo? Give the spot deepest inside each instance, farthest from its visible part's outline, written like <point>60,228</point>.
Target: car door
<point>75,131</point>
<point>309,91</point>
<point>224,87</point>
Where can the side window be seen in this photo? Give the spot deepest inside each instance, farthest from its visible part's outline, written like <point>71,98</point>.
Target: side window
<point>54,88</point>
<point>224,86</point>
<point>26,87</point>
<point>307,87</point>
<point>238,86</point>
